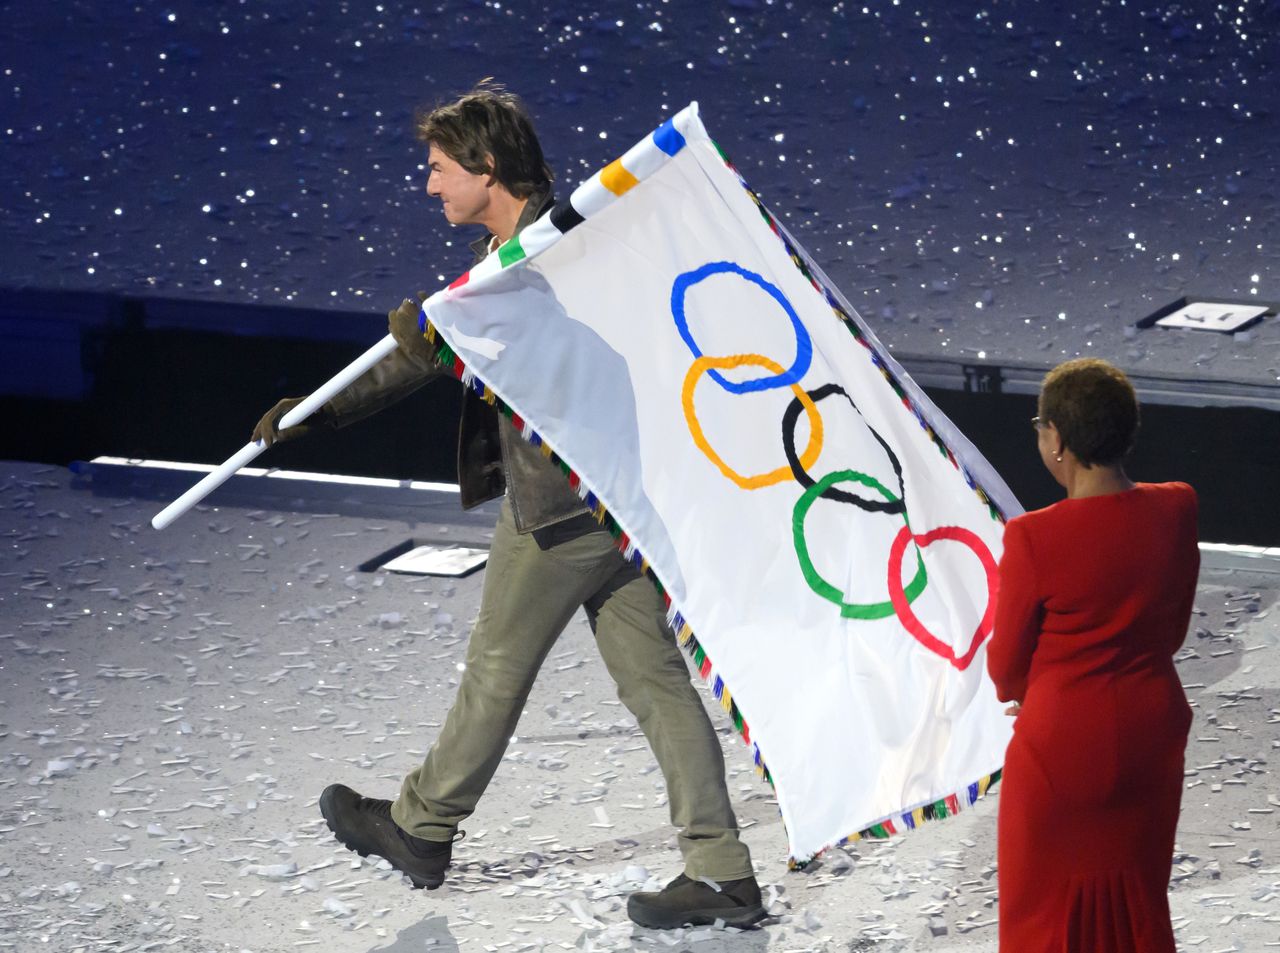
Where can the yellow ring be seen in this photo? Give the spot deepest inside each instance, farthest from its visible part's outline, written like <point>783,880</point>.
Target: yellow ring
<point>811,452</point>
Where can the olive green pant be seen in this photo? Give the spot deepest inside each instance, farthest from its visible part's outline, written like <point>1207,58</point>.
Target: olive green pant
<point>533,585</point>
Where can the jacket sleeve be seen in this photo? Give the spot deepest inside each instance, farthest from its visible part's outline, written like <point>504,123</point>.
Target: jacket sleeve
<point>1019,613</point>
<point>393,378</point>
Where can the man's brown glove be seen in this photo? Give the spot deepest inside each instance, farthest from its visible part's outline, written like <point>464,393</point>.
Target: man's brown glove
<point>403,324</point>
<point>268,429</point>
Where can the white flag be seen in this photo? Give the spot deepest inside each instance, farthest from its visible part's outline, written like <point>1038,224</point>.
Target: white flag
<point>826,538</point>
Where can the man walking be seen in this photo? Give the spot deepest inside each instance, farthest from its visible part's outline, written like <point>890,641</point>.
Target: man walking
<point>549,557</point>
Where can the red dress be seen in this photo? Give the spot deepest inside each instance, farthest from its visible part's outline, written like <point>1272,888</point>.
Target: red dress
<point>1095,597</point>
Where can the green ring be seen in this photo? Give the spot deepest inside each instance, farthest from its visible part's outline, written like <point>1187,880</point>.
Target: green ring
<point>848,610</point>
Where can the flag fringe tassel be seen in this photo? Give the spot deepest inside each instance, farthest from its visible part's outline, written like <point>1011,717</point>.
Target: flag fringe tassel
<point>909,820</point>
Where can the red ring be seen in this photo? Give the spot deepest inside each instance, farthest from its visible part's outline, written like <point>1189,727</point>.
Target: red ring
<point>902,606</point>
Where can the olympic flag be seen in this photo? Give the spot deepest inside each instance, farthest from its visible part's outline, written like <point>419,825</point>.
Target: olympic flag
<point>826,539</point>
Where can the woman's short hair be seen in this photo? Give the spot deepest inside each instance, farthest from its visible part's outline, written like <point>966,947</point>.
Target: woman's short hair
<point>1093,407</point>
<point>488,121</point>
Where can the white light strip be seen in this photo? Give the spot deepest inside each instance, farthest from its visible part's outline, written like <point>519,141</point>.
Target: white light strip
<point>1224,549</point>
<point>1249,552</point>
<point>280,474</point>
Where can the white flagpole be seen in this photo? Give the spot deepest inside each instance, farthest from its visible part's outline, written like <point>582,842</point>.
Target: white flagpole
<point>250,450</point>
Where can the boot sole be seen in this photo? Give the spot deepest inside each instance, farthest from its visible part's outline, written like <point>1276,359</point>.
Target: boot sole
<point>419,883</point>
<point>740,918</point>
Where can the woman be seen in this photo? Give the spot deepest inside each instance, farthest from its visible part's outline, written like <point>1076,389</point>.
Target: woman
<point>1095,597</point>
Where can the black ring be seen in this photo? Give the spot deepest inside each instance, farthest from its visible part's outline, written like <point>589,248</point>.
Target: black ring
<point>833,493</point>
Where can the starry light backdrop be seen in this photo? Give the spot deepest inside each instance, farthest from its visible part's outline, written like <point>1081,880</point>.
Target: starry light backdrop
<point>1017,179</point>
<point>1011,180</point>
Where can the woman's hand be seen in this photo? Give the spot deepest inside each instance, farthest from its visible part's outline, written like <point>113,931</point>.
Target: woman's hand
<point>1013,710</point>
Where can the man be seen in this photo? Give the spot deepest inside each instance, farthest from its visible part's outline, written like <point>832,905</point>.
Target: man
<point>549,557</point>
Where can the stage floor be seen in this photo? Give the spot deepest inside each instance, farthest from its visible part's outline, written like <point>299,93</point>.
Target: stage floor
<point>173,704</point>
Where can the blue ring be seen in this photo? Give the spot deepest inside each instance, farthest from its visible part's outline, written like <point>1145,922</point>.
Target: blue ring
<point>804,345</point>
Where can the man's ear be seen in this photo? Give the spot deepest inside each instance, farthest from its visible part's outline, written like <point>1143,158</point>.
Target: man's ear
<point>493,179</point>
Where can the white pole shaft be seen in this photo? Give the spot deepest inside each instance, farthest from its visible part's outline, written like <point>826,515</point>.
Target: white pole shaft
<point>250,450</point>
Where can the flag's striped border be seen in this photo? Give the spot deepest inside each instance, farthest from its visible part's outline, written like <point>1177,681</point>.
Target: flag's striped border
<point>602,189</point>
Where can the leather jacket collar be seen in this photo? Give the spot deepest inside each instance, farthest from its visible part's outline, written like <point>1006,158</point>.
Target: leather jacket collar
<point>539,203</point>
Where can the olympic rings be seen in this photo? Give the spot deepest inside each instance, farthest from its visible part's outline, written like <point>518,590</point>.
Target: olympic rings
<point>798,469</point>
<point>695,429</point>
<point>804,344</point>
<point>849,610</point>
<point>902,599</point>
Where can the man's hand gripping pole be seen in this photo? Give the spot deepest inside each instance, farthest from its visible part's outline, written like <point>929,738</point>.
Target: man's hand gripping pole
<point>251,450</point>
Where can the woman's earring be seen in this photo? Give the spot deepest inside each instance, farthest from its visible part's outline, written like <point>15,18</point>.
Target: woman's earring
<point>1058,458</point>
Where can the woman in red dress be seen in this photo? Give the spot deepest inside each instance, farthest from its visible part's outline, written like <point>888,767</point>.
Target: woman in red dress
<point>1094,600</point>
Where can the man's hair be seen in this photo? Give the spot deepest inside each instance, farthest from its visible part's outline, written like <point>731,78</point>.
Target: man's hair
<point>1094,408</point>
<point>488,122</point>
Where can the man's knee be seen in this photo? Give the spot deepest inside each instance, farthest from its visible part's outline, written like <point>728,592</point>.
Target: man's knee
<point>499,674</point>
<point>662,695</point>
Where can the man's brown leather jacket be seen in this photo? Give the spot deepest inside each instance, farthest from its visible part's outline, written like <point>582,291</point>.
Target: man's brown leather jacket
<point>492,457</point>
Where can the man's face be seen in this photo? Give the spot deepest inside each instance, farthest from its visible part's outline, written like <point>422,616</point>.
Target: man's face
<point>464,195</point>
